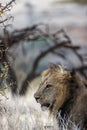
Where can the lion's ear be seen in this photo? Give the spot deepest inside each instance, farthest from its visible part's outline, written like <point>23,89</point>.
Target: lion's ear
<point>61,69</point>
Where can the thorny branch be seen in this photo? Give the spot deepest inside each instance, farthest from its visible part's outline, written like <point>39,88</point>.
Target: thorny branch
<point>4,9</point>
<point>6,71</point>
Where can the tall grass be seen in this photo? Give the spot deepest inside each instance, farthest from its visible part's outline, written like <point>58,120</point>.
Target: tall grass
<point>23,113</point>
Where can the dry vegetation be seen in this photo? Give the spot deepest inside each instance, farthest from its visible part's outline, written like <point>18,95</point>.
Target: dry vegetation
<point>23,113</point>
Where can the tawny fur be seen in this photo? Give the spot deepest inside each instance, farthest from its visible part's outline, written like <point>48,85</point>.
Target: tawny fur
<point>61,90</point>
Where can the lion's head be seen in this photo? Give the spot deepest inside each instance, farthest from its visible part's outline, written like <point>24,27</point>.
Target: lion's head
<point>53,90</point>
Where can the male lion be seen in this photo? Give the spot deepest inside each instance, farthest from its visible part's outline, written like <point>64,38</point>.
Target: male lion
<point>63,91</point>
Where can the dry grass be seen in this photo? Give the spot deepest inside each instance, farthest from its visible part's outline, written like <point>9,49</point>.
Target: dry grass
<point>23,113</point>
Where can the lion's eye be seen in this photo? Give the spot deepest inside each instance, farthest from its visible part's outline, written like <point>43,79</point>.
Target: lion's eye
<point>48,86</point>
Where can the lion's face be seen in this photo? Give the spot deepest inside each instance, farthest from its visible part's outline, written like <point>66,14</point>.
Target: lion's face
<point>53,89</point>
<point>46,95</point>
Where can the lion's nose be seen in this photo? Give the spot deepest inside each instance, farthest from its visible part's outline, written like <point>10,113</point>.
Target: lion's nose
<point>37,97</point>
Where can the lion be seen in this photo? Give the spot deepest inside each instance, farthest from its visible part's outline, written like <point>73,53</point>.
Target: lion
<point>63,91</point>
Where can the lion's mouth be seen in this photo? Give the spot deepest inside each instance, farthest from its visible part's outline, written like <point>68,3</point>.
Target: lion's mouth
<point>45,106</point>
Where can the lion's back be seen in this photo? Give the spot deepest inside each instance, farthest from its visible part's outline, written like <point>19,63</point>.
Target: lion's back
<point>78,112</point>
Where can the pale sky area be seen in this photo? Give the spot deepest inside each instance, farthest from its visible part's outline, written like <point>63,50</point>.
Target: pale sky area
<point>22,8</point>
<point>39,4</point>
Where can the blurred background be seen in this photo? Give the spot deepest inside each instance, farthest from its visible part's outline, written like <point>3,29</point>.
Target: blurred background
<point>38,33</point>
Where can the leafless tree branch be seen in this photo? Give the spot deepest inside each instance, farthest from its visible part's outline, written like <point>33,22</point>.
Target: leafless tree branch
<point>6,7</point>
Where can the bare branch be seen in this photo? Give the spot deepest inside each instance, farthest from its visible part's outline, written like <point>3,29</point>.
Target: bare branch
<point>7,6</point>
